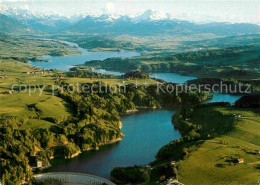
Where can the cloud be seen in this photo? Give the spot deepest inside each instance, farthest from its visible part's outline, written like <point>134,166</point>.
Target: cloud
<point>25,7</point>
<point>110,7</point>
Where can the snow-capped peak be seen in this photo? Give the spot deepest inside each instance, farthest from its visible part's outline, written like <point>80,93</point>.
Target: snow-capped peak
<point>26,14</point>
<point>3,8</point>
<point>20,13</point>
<point>151,15</point>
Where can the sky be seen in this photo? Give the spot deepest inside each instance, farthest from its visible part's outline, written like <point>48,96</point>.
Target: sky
<point>193,10</point>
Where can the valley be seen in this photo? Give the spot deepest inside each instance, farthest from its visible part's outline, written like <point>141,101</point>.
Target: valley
<point>114,96</point>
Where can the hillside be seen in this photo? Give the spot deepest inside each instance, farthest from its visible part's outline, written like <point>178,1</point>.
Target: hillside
<point>214,161</point>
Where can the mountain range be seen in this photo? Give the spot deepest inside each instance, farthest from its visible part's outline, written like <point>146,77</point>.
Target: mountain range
<point>150,22</point>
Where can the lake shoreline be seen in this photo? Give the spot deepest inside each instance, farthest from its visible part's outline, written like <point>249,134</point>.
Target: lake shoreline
<point>159,118</point>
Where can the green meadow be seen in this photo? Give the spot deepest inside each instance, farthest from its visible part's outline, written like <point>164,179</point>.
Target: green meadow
<point>37,124</point>
<point>213,161</point>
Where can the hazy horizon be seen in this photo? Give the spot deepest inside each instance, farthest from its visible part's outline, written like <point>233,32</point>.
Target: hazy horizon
<point>200,11</point>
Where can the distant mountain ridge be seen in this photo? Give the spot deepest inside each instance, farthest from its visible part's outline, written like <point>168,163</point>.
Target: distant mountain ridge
<point>9,25</point>
<point>39,21</point>
<point>152,23</point>
<point>148,23</point>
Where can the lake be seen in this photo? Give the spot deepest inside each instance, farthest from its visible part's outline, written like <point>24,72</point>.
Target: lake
<point>172,77</point>
<point>145,132</point>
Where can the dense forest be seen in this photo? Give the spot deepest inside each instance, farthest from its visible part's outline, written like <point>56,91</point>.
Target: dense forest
<point>249,101</point>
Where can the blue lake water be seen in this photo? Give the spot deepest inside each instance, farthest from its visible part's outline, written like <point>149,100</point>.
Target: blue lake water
<point>172,77</point>
<point>67,62</point>
<point>217,97</point>
<point>145,133</point>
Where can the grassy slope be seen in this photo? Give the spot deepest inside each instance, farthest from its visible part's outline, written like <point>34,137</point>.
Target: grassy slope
<point>19,103</point>
<point>240,142</point>
<point>16,104</point>
<point>36,124</point>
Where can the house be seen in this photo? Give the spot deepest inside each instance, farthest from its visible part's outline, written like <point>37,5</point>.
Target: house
<point>39,164</point>
<point>238,115</point>
<point>240,160</point>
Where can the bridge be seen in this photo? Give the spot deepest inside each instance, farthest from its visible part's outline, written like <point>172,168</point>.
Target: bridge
<point>70,178</point>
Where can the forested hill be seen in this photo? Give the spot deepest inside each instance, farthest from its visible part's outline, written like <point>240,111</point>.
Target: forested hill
<point>225,63</point>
